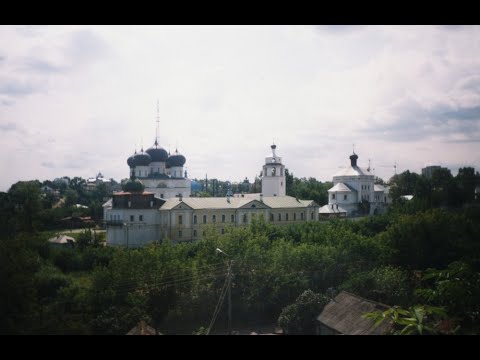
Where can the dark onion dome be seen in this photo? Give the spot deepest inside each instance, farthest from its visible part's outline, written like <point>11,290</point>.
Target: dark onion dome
<point>353,159</point>
<point>133,185</point>
<point>157,153</point>
<point>142,159</point>
<point>176,159</point>
<point>131,161</point>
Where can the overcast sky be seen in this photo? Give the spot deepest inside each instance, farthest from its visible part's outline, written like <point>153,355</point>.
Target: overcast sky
<point>77,100</point>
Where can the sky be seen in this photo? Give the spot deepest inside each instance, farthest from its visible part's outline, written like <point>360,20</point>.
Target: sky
<point>78,100</point>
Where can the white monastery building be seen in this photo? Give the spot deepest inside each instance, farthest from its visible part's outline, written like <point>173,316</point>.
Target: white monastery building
<point>145,213</point>
<point>355,193</point>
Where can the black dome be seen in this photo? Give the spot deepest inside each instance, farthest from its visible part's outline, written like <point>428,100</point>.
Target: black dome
<point>142,159</point>
<point>157,153</point>
<point>131,161</point>
<point>133,185</point>
<point>353,159</point>
<point>176,159</point>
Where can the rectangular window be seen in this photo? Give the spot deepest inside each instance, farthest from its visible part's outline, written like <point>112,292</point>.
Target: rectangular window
<point>244,218</point>
<point>214,218</point>
<point>180,219</point>
<point>301,216</point>
<point>223,218</point>
<point>271,217</point>
<point>279,217</point>
<point>223,231</point>
<point>345,197</point>
<point>232,218</point>
<point>286,216</point>
<point>180,233</point>
<point>194,233</point>
<point>132,217</point>
<point>333,196</point>
<point>311,215</point>
<point>140,217</point>
<point>204,219</point>
<point>194,219</point>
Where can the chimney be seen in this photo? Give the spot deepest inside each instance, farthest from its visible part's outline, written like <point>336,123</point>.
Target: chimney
<point>180,198</point>
<point>261,197</point>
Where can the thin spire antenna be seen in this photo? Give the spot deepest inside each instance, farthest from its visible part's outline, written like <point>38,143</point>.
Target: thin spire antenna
<point>158,123</point>
<point>353,146</point>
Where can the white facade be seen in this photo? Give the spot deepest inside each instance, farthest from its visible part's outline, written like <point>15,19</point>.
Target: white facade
<point>273,175</point>
<point>136,227</point>
<point>132,219</point>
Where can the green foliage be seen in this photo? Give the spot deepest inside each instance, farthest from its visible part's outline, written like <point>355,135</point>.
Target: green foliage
<point>416,320</point>
<point>25,197</point>
<point>387,285</point>
<point>300,317</point>
<point>310,189</point>
<point>457,288</point>
<point>18,293</point>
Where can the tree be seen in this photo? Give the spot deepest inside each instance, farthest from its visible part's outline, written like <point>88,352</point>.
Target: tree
<point>71,197</point>
<point>388,285</point>
<point>466,180</point>
<point>299,317</point>
<point>25,196</point>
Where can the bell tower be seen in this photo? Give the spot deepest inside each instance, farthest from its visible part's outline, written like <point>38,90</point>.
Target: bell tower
<point>273,175</point>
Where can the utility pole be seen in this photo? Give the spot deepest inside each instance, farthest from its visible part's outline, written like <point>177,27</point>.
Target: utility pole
<point>230,275</point>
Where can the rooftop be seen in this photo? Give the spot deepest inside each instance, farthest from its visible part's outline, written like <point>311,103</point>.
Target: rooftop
<point>344,314</point>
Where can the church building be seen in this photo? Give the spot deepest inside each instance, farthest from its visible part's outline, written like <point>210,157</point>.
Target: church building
<point>160,172</point>
<point>355,193</point>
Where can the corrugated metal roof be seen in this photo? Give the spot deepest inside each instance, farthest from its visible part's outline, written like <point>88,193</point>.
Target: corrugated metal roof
<point>353,171</point>
<point>274,202</point>
<point>344,315</point>
<point>341,187</point>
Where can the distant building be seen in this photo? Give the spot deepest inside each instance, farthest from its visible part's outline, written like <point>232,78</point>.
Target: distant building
<point>352,186</point>
<point>93,182</point>
<point>344,316</point>
<point>428,171</point>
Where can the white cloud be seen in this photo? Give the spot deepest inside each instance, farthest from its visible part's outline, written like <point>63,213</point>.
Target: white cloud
<point>85,96</point>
